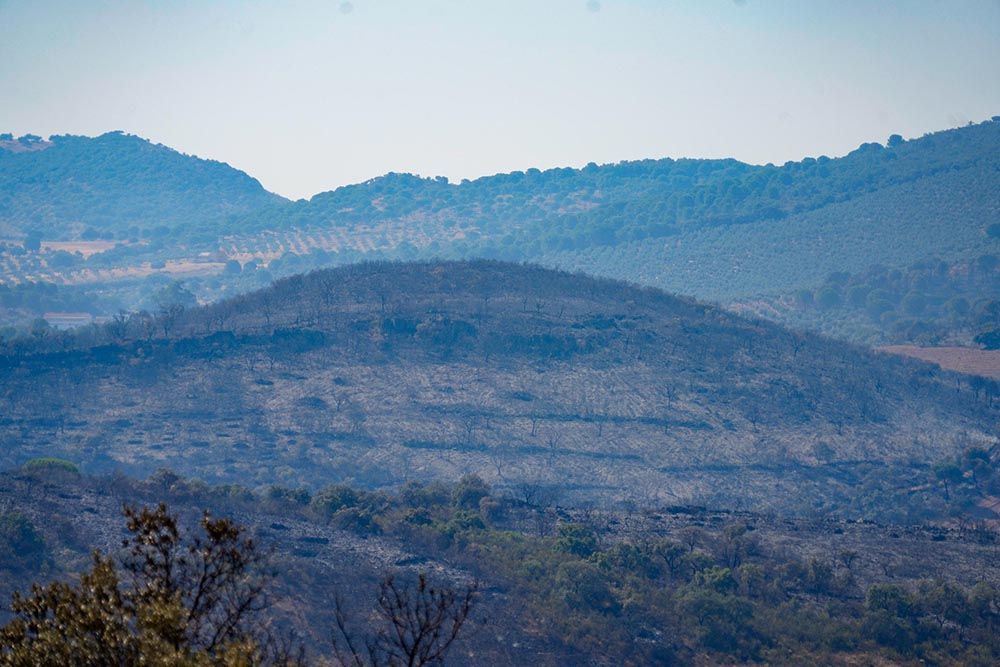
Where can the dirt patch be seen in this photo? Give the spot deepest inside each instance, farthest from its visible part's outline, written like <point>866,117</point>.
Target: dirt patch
<point>85,248</point>
<point>962,359</point>
<point>181,267</point>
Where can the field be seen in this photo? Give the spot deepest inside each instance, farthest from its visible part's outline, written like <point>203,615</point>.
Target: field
<point>85,248</point>
<point>962,359</point>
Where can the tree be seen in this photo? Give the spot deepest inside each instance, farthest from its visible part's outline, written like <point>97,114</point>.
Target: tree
<point>827,297</point>
<point>415,624</point>
<point>577,540</point>
<point>469,491</point>
<point>673,555</point>
<point>33,241</point>
<point>914,303</point>
<point>949,475</point>
<point>21,546</point>
<point>232,268</point>
<point>174,294</point>
<point>217,578</point>
<point>173,599</point>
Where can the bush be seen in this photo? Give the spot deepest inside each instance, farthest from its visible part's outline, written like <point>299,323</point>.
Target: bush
<point>577,540</point>
<point>827,297</point>
<point>914,303</point>
<point>50,464</point>
<point>357,520</point>
<point>581,586</point>
<point>425,496</point>
<point>469,491</point>
<point>331,499</point>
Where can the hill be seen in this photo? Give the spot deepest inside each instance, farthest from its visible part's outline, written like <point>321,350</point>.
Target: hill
<point>537,380</point>
<point>714,229</point>
<point>630,201</point>
<point>115,186</point>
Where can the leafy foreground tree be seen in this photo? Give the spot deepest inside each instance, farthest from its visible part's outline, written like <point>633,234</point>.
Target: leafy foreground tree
<point>199,601</point>
<point>172,600</point>
<point>415,625</point>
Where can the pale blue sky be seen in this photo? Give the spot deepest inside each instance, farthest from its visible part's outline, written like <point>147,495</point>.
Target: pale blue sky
<point>307,95</point>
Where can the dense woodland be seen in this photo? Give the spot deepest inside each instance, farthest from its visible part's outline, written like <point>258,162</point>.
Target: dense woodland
<point>116,186</point>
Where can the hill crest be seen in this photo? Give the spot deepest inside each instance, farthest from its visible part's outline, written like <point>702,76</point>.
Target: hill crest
<point>526,376</point>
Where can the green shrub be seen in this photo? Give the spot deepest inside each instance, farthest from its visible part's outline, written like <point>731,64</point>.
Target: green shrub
<point>582,586</point>
<point>469,491</point>
<point>333,498</point>
<point>577,540</point>
<point>50,463</point>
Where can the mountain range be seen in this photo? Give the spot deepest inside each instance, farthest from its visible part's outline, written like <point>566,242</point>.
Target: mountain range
<point>116,218</point>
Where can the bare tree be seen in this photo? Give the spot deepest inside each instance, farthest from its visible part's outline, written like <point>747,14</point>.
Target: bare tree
<point>218,577</point>
<point>357,417</point>
<point>168,317</point>
<point>414,624</point>
<point>470,422</point>
<point>498,459</point>
<point>117,326</point>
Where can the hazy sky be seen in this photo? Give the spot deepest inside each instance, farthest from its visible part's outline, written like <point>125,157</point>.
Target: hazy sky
<point>307,95</point>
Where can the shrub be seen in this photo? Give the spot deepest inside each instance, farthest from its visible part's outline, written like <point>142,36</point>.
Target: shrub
<point>577,540</point>
<point>331,499</point>
<point>50,464</point>
<point>469,491</point>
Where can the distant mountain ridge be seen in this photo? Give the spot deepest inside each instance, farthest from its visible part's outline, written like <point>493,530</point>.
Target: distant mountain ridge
<point>714,229</point>
<point>73,187</point>
<point>632,200</point>
<point>613,203</point>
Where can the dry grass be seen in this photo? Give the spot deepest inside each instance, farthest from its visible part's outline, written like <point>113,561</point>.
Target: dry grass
<point>962,359</point>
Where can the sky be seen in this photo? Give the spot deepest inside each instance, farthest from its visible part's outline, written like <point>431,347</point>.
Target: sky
<point>307,95</point>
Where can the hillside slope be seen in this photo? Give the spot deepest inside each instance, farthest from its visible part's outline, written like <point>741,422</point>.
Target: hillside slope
<point>944,216</point>
<point>539,602</point>
<point>714,229</point>
<point>116,186</point>
<point>379,373</point>
<point>634,200</point>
